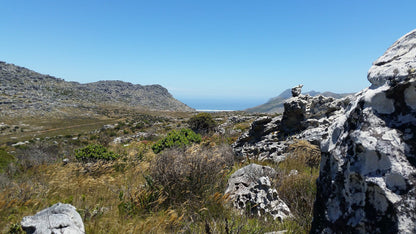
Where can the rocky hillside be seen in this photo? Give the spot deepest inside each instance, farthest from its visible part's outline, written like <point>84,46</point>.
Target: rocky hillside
<point>26,91</point>
<point>275,105</point>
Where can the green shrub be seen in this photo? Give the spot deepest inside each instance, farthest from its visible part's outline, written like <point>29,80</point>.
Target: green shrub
<point>202,123</point>
<point>177,138</point>
<point>95,152</point>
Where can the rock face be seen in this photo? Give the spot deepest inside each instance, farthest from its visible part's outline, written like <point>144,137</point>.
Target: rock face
<point>59,218</point>
<point>305,117</point>
<point>368,169</point>
<point>250,188</point>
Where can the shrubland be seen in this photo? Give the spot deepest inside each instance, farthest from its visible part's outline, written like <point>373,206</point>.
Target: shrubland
<point>130,187</point>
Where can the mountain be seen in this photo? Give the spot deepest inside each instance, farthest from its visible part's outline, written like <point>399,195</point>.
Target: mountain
<point>26,91</point>
<point>275,105</point>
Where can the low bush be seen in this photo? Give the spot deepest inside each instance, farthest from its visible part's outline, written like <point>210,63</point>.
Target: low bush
<point>202,123</point>
<point>38,153</point>
<point>177,138</point>
<point>191,174</point>
<point>95,152</point>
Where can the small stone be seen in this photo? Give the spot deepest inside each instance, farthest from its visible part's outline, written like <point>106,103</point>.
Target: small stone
<point>65,161</point>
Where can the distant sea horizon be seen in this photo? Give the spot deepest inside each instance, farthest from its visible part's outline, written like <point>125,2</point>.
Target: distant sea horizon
<point>213,105</point>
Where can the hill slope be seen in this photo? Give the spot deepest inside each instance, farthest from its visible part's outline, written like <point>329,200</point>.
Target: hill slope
<point>23,90</point>
<point>275,105</point>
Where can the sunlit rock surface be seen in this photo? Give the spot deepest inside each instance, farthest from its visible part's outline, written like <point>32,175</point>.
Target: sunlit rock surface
<point>59,218</point>
<point>250,190</point>
<point>368,168</point>
<point>305,117</point>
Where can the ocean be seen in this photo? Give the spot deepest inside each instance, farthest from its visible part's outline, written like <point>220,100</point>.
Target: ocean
<point>221,104</point>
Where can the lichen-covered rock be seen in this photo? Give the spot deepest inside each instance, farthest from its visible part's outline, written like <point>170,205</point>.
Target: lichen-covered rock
<point>396,63</point>
<point>368,169</point>
<point>59,218</point>
<point>305,117</point>
<point>260,140</point>
<point>250,189</point>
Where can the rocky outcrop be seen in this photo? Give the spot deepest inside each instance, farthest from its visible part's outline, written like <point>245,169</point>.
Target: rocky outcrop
<point>250,189</point>
<point>367,181</point>
<point>261,141</point>
<point>276,104</point>
<point>305,117</point>
<point>59,218</point>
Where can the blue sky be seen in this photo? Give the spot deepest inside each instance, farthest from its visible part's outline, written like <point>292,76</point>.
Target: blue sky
<point>246,51</point>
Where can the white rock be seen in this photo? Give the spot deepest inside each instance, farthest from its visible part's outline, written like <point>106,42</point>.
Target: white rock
<point>396,63</point>
<point>250,188</point>
<point>367,180</point>
<point>59,218</point>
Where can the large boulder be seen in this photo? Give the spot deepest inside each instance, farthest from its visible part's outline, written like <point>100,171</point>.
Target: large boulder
<point>368,169</point>
<point>250,189</point>
<point>59,218</point>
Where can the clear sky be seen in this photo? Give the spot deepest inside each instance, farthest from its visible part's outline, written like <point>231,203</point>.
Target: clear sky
<point>246,51</point>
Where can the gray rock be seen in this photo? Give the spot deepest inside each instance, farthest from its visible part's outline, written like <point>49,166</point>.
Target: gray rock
<point>59,218</point>
<point>396,63</point>
<point>277,232</point>
<point>65,161</point>
<point>260,140</point>
<point>296,91</point>
<point>367,181</point>
<point>250,188</point>
<point>304,117</point>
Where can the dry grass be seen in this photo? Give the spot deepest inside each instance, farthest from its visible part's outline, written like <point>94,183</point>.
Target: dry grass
<point>305,153</point>
<point>296,182</point>
<point>93,189</point>
<point>186,175</point>
<point>41,128</point>
<point>176,191</point>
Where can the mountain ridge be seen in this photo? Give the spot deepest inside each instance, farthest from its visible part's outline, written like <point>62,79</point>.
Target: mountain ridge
<point>275,104</point>
<point>24,90</point>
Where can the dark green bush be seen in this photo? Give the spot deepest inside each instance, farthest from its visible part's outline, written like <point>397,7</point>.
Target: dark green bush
<point>202,123</point>
<point>177,138</point>
<point>95,152</point>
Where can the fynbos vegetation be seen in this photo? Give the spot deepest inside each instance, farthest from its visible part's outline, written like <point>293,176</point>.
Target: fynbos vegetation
<point>95,152</point>
<point>177,139</point>
<point>145,173</point>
